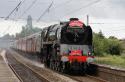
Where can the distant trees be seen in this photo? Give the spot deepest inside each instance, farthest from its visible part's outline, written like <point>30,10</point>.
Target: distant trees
<point>112,37</point>
<point>8,36</point>
<point>100,35</point>
<point>104,45</point>
<point>28,29</point>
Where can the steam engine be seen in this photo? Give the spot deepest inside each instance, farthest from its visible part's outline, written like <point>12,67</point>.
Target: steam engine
<point>62,47</point>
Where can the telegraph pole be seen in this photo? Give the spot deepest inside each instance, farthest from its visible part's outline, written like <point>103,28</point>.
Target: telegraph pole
<point>87,20</point>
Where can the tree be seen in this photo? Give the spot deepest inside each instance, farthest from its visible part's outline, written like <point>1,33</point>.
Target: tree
<point>100,34</point>
<point>112,37</point>
<point>28,29</point>
<point>115,47</point>
<point>97,42</point>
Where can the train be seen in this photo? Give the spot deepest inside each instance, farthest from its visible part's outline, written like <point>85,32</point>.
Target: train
<point>62,47</point>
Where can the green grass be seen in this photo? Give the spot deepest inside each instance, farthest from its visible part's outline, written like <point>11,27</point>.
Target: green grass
<point>118,61</point>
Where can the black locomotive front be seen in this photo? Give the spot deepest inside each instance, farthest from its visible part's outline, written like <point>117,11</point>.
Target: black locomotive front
<point>76,44</point>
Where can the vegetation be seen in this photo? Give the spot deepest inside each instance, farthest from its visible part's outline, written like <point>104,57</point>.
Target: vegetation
<point>27,31</point>
<point>109,51</point>
<point>104,45</point>
<point>113,60</point>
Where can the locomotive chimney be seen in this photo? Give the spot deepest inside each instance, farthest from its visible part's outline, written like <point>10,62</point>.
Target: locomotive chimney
<point>71,19</point>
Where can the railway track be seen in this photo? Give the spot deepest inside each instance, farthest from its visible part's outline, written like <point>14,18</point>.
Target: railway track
<point>83,77</point>
<point>87,78</point>
<point>43,74</point>
<point>104,74</point>
<point>23,72</point>
<point>110,74</point>
<point>74,77</point>
<point>78,78</point>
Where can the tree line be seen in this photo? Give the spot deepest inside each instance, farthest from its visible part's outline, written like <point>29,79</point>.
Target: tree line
<point>27,31</point>
<point>103,45</point>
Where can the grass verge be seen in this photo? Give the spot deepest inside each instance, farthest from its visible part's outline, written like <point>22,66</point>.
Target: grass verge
<point>117,61</point>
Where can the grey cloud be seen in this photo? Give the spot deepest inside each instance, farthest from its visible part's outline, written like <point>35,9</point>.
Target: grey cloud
<point>103,9</point>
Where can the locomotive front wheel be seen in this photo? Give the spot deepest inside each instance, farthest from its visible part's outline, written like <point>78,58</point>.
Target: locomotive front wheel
<point>58,66</point>
<point>63,67</point>
<point>51,64</point>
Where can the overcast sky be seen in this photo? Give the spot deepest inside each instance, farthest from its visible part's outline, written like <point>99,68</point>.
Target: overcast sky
<point>109,14</point>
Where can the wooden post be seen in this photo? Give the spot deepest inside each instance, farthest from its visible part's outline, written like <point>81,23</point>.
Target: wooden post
<point>87,20</point>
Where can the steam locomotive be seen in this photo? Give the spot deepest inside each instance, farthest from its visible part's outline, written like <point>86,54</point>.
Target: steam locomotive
<point>62,47</point>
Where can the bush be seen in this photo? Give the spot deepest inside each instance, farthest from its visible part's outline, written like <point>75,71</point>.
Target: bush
<point>98,45</point>
<point>104,45</point>
<point>115,47</point>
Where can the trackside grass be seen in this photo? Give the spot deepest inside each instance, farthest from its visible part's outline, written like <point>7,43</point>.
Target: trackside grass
<point>117,61</point>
